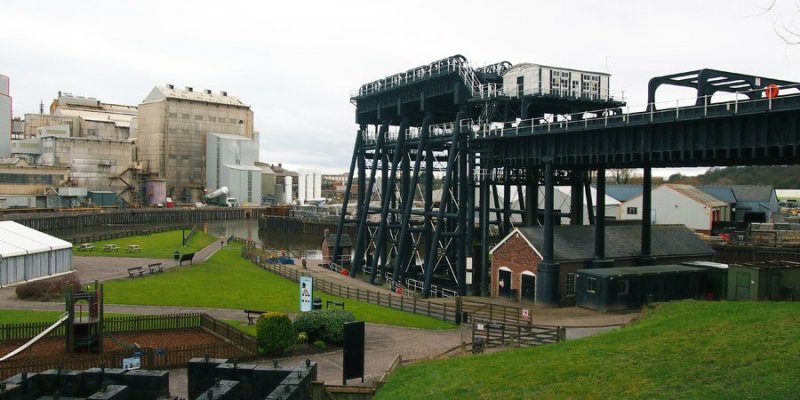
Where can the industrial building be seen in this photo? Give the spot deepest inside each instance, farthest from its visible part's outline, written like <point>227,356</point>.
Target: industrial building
<point>173,127</point>
<point>27,254</point>
<point>230,162</point>
<point>84,117</point>
<point>309,185</point>
<point>24,185</point>
<point>679,204</point>
<point>5,117</point>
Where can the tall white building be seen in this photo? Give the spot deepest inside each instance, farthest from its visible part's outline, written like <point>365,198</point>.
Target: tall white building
<point>309,185</point>
<point>5,117</point>
<point>230,161</point>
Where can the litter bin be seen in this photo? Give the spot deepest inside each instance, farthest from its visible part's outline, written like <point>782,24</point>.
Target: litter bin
<point>316,304</point>
<point>177,255</point>
<point>477,345</point>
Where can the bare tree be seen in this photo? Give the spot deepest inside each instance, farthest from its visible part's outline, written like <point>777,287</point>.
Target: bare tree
<point>622,176</point>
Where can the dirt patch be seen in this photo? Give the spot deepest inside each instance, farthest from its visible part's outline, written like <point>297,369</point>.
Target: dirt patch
<point>56,346</point>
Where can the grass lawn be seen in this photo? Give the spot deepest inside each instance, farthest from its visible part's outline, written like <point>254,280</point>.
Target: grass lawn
<point>229,281</point>
<point>686,350</point>
<point>157,245</point>
<point>26,316</point>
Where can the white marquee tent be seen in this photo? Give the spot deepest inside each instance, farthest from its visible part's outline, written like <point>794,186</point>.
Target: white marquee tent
<point>27,254</point>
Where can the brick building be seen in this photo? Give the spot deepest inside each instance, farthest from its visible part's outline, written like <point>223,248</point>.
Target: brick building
<point>516,258</point>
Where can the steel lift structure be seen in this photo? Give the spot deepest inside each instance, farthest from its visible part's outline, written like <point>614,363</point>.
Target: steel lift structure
<point>443,148</point>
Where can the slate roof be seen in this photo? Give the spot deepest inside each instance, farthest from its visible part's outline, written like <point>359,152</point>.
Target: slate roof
<point>753,192</point>
<point>623,192</point>
<point>576,242</point>
<point>722,193</point>
<point>636,271</point>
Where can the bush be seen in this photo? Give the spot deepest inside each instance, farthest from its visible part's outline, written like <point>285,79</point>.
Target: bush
<point>327,325</point>
<point>275,333</point>
<point>302,338</point>
<point>47,289</point>
<point>320,344</point>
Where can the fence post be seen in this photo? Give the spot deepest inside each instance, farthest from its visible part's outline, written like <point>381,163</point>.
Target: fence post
<point>562,333</point>
<point>459,308</point>
<point>414,308</point>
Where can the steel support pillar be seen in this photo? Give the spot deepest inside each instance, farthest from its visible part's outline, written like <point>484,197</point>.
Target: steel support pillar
<point>361,235</point>
<point>486,178</point>
<point>600,260</point>
<point>576,198</point>
<point>548,270</point>
<point>387,194</point>
<point>431,259</point>
<point>404,249</point>
<point>357,154</point>
<point>646,257</point>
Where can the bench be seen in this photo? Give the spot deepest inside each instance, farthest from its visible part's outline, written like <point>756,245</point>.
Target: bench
<point>186,257</point>
<point>252,315</point>
<point>155,267</point>
<point>133,270</point>
<point>111,247</point>
<point>328,304</point>
<point>85,247</point>
<point>133,248</point>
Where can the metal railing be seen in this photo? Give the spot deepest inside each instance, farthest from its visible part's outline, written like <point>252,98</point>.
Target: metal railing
<point>688,108</point>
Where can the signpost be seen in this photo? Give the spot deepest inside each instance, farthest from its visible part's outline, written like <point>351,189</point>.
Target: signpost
<point>306,293</point>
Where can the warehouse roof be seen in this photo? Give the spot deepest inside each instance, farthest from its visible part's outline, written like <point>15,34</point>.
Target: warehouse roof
<point>17,239</point>
<point>206,96</point>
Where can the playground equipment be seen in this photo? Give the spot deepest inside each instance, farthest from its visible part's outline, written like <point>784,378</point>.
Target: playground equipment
<point>84,331</point>
<point>36,338</point>
<point>85,319</point>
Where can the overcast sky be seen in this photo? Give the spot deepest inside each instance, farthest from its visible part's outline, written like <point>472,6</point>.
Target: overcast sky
<point>296,62</point>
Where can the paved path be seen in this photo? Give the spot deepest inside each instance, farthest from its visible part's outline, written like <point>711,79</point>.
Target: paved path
<point>383,343</point>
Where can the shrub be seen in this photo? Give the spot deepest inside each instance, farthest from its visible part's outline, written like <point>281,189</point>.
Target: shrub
<point>47,289</point>
<point>327,325</point>
<point>320,344</point>
<point>275,332</point>
<point>302,337</point>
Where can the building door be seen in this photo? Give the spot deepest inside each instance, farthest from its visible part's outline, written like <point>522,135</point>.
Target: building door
<point>504,282</point>
<point>528,287</point>
<point>742,286</point>
<point>520,86</point>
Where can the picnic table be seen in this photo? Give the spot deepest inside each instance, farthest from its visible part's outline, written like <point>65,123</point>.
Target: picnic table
<point>110,247</point>
<point>133,248</point>
<point>85,246</point>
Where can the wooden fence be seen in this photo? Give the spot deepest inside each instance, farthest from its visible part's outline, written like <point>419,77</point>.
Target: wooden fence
<point>492,334</point>
<point>448,310</point>
<point>116,235</point>
<point>237,345</point>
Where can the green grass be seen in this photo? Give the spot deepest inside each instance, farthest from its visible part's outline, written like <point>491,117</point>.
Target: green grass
<point>157,245</point>
<point>229,281</point>
<point>686,350</point>
<point>27,316</point>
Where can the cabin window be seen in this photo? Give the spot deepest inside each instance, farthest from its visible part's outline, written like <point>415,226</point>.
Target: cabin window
<point>623,286</point>
<point>632,211</point>
<point>591,285</point>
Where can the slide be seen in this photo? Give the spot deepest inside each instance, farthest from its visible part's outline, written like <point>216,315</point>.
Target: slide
<point>44,333</point>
